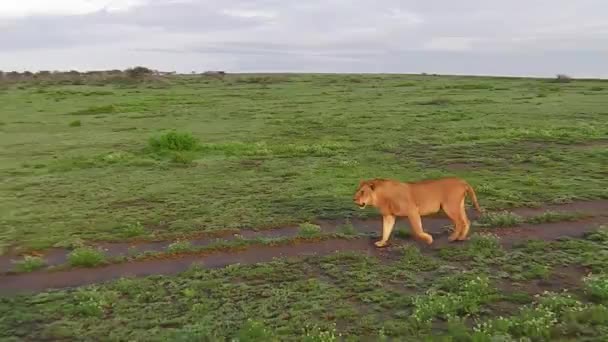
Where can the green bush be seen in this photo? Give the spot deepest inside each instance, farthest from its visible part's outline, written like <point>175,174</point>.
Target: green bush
<point>174,141</point>
<point>85,257</point>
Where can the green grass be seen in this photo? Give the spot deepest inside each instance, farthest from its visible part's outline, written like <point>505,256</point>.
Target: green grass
<point>29,264</point>
<point>501,219</point>
<point>553,216</point>
<point>85,257</point>
<point>415,294</point>
<point>200,154</point>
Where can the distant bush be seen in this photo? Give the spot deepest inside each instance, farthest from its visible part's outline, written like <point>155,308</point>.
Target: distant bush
<point>138,72</point>
<point>75,123</point>
<point>174,141</point>
<point>261,79</point>
<point>561,78</point>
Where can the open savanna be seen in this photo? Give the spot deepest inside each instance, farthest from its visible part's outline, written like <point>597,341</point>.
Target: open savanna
<point>76,162</point>
<point>99,171</point>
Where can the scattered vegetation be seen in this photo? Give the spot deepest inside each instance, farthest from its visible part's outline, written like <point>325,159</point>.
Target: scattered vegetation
<point>76,123</point>
<point>411,296</point>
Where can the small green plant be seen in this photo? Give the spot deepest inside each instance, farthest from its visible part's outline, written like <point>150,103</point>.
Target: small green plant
<point>174,141</point>
<point>347,229</point>
<point>253,331</point>
<point>76,123</point>
<point>29,264</point>
<point>309,230</point>
<point>537,271</point>
<point>179,247</point>
<point>85,257</point>
<point>402,233</point>
<point>500,219</point>
<point>133,229</point>
<point>596,286</point>
<point>601,235</point>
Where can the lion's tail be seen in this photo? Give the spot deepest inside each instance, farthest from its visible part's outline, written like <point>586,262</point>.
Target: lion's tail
<point>471,193</point>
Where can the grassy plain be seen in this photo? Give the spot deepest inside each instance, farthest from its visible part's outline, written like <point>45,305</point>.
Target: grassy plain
<point>77,163</point>
<point>83,163</point>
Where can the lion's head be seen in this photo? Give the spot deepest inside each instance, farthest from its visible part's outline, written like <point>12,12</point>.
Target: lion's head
<point>364,194</point>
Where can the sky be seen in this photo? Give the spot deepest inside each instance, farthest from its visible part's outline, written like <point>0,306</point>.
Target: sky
<point>480,37</point>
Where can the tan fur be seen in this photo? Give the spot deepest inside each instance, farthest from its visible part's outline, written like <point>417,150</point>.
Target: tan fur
<point>416,199</point>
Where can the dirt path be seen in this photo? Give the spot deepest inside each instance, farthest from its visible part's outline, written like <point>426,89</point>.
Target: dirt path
<point>436,224</point>
<point>41,280</point>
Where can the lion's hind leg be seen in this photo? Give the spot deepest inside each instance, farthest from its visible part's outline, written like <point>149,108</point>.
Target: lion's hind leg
<point>454,214</point>
<point>465,221</point>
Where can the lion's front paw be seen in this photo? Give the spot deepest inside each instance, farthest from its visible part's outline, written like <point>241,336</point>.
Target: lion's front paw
<point>380,243</point>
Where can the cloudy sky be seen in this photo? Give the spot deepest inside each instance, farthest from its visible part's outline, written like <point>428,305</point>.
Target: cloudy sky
<point>508,37</point>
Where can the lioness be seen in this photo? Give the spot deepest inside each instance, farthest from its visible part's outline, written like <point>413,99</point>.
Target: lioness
<point>416,199</point>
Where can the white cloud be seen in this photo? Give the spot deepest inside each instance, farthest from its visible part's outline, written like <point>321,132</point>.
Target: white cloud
<point>23,8</point>
<point>247,13</point>
<point>450,43</point>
